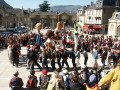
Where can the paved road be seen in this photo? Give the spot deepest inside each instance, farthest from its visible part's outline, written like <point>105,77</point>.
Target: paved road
<point>6,69</point>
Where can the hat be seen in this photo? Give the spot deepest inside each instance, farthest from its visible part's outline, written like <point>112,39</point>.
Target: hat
<point>44,71</point>
<point>16,73</point>
<point>83,66</point>
<point>65,71</point>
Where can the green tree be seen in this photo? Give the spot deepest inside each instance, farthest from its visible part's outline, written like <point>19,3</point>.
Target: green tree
<point>44,7</point>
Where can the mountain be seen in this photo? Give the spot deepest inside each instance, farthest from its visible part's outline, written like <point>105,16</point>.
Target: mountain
<point>65,8</point>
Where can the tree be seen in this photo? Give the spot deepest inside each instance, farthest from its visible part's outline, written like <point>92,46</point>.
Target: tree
<point>44,7</point>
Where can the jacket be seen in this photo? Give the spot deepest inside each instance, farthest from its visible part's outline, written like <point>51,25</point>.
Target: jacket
<point>113,77</point>
<point>77,86</point>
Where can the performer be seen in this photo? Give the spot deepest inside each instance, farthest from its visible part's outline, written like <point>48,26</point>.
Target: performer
<point>50,40</point>
<point>58,33</point>
<point>49,49</point>
<point>38,35</point>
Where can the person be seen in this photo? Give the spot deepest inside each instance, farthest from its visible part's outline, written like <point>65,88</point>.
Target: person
<point>93,79</point>
<point>77,54</point>
<point>76,85</point>
<point>16,82</point>
<point>38,34</point>
<point>84,74</point>
<point>104,56</point>
<point>73,57</point>
<point>49,45</point>
<point>66,79</point>
<point>44,79</point>
<point>56,82</point>
<point>34,57</point>
<point>95,56</point>
<point>58,33</point>
<point>85,54</point>
<point>64,56</point>
<point>32,80</point>
<point>112,77</point>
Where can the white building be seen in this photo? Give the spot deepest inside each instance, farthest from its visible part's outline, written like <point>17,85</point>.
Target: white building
<point>81,16</point>
<point>97,14</point>
<point>114,25</point>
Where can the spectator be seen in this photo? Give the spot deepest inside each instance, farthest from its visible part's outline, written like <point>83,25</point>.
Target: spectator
<point>76,85</point>
<point>16,82</point>
<point>112,77</point>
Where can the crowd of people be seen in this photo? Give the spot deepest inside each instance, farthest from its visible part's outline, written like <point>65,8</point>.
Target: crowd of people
<point>57,46</point>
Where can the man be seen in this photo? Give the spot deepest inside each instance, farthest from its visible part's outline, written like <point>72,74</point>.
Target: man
<point>16,83</point>
<point>95,56</point>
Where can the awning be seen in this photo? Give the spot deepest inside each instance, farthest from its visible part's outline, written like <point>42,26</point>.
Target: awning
<point>91,27</point>
<point>96,27</point>
<point>87,27</point>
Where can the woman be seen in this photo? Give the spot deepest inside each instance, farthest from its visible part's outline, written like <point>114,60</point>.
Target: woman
<point>112,77</point>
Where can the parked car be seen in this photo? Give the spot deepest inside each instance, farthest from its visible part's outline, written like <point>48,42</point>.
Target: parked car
<point>6,32</point>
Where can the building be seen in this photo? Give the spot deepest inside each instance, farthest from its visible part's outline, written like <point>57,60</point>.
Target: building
<point>114,25</point>
<point>81,16</point>
<point>12,17</point>
<point>50,19</point>
<point>97,14</point>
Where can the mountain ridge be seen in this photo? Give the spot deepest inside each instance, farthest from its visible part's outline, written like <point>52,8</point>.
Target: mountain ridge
<point>65,8</point>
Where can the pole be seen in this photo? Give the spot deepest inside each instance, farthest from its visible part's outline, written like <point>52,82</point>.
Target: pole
<point>64,34</point>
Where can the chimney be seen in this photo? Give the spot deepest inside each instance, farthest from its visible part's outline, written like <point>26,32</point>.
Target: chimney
<point>29,10</point>
<point>91,3</point>
<point>88,6</point>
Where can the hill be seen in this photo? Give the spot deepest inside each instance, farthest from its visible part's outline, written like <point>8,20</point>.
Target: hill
<point>65,8</point>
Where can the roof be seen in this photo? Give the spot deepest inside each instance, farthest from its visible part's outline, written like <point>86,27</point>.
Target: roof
<point>44,13</point>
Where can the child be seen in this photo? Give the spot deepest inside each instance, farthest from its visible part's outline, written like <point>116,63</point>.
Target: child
<point>32,81</point>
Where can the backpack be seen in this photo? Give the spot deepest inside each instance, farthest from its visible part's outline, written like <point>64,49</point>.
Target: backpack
<point>16,82</point>
<point>31,83</point>
<point>67,81</point>
<point>44,81</point>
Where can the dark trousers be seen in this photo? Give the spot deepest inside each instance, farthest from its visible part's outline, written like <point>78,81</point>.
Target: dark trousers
<point>16,88</point>
<point>44,63</point>
<point>35,62</point>
<point>65,61</point>
<point>115,59</point>
<point>103,62</point>
<point>73,62</point>
<point>15,61</point>
<point>59,63</point>
<point>85,61</point>
<point>53,64</point>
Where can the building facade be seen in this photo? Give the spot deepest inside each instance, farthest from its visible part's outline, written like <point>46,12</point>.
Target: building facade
<point>12,17</point>
<point>81,16</point>
<point>114,25</point>
<point>97,14</point>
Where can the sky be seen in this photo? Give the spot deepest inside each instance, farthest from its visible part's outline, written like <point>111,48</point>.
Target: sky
<point>33,4</point>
